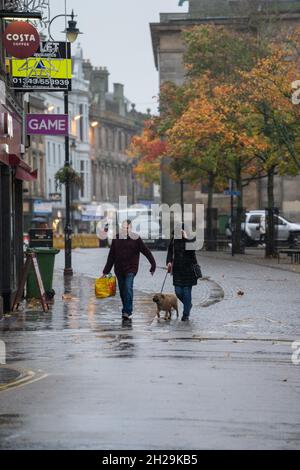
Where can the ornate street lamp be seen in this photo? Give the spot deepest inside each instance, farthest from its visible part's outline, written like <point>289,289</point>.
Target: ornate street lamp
<point>71,33</point>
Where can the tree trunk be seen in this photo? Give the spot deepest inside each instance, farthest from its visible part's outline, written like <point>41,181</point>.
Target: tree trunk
<point>270,222</point>
<point>210,237</point>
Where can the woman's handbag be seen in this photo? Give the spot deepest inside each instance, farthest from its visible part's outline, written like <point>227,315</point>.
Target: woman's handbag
<point>197,271</point>
<point>105,287</point>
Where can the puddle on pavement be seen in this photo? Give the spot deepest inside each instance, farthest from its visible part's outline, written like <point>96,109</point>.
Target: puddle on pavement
<point>10,419</point>
<point>75,308</point>
<point>8,375</point>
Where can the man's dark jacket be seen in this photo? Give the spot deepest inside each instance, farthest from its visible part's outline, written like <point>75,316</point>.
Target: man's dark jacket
<point>124,255</point>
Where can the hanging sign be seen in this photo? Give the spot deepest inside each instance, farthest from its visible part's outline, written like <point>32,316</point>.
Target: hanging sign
<point>47,124</point>
<point>49,69</point>
<point>21,39</point>
<point>42,208</point>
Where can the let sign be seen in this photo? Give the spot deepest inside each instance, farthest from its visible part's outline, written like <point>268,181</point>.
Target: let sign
<point>47,124</point>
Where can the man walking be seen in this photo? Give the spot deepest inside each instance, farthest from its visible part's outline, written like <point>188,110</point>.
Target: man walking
<point>124,255</point>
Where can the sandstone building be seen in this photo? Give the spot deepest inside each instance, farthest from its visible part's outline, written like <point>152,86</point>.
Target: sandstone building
<point>113,123</point>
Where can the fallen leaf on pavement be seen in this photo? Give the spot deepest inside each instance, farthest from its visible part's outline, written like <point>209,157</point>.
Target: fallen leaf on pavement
<point>67,297</point>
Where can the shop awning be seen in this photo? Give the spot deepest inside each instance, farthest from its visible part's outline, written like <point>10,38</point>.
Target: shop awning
<point>23,171</point>
<point>25,175</point>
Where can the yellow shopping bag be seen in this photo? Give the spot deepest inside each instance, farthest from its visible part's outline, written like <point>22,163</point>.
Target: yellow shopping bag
<point>105,287</point>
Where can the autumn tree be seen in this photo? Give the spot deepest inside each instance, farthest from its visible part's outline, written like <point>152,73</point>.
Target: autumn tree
<point>267,88</point>
<point>213,140</point>
<point>146,150</point>
<point>232,118</point>
<point>219,51</point>
<point>221,54</point>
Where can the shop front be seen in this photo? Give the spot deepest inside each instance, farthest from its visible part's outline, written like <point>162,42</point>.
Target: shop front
<point>13,171</point>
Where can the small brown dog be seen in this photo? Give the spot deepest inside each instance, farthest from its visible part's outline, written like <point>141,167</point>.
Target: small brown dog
<point>165,303</point>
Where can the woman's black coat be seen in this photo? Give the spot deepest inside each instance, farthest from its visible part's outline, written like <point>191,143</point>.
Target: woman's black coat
<point>183,261</point>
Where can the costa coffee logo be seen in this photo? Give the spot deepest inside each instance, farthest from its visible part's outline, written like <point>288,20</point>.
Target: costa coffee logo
<point>21,39</point>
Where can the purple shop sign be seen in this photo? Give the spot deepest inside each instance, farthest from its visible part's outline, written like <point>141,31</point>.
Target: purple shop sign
<point>47,124</point>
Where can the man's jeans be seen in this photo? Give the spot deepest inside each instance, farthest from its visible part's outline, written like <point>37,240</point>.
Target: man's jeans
<point>184,294</point>
<point>126,292</point>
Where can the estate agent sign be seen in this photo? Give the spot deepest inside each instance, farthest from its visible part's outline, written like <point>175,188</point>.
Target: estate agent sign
<point>49,69</point>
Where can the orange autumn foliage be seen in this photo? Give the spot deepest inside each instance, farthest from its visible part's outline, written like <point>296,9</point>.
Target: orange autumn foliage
<point>147,149</point>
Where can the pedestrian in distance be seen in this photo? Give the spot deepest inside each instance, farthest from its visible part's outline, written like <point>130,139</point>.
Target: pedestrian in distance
<point>124,255</point>
<point>183,265</point>
<point>262,230</point>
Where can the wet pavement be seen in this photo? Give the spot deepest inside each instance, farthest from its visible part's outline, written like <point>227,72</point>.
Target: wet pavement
<point>8,375</point>
<point>225,380</point>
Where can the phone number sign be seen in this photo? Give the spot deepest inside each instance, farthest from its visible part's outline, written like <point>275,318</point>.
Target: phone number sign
<point>49,69</point>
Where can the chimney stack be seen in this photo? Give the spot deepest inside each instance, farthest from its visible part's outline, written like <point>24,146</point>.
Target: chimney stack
<point>119,98</point>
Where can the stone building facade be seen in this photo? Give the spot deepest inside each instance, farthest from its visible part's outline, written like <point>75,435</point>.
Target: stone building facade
<point>168,55</point>
<point>113,123</point>
<point>14,171</point>
<point>79,144</point>
<point>35,157</point>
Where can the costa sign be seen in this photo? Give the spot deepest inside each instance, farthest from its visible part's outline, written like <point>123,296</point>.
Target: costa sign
<point>47,124</point>
<point>21,39</point>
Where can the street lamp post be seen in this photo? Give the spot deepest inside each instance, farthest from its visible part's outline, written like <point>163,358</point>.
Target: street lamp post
<point>182,198</point>
<point>68,271</point>
<point>72,33</point>
<point>233,223</point>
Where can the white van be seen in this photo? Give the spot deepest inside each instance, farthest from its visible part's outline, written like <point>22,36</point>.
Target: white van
<point>286,231</point>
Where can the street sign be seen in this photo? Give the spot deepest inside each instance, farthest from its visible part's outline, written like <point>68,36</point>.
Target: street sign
<point>21,39</point>
<point>42,208</point>
<point>55,197</point>
<point>50,68</point>
<point>91,213</point>
<point>231,193</point>
<point>47,124</point>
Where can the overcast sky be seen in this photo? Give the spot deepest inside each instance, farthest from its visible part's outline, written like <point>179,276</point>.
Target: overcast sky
<point>117,35</point>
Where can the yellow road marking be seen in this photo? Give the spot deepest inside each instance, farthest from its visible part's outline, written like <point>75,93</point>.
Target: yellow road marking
<point>30,378</point>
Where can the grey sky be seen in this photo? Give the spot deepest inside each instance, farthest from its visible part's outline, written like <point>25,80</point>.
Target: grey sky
<point>117,35</point>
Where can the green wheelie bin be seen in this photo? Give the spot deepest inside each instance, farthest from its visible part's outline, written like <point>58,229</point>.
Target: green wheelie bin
<point>46,260</point>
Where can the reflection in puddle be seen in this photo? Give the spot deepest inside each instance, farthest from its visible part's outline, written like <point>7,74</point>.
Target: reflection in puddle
<point>94,322</point>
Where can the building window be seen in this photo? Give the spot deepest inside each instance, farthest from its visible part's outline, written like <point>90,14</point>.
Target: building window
<point>81,123</point>
<point>82,174</point>
<point>48,153</point>
<point>120,141</point>
<point>54,153</point>
<point>106,139</point>
<point>59,155</point>
<point>50,186</point>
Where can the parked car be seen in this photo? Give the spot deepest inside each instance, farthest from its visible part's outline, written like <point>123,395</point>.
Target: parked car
<point>286,231</point>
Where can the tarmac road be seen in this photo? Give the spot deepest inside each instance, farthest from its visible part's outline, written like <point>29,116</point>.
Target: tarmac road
<point>224,381</point>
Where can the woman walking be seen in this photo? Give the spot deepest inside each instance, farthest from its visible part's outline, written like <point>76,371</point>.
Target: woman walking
<point>182,262</point>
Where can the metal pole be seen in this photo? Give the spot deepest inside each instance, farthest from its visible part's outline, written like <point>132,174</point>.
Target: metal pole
<point>232,219</point>
<point>133,184</point>
<point>68,271</point>
<point>182,199</point>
